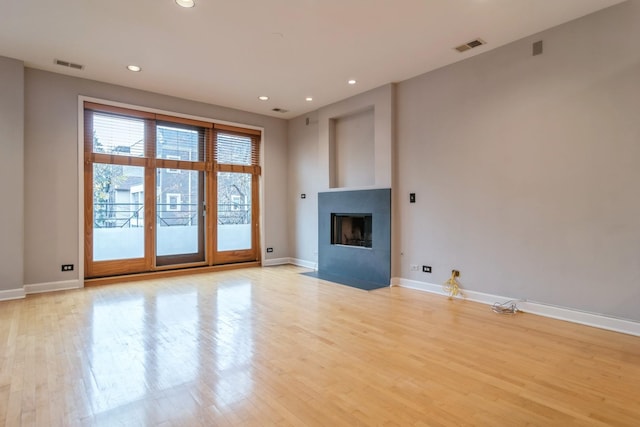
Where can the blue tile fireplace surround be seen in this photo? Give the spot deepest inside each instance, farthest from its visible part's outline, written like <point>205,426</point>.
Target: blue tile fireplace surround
<point>354,237</point>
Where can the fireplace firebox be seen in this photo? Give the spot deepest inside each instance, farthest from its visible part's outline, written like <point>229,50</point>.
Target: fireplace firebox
<point>351,230</point>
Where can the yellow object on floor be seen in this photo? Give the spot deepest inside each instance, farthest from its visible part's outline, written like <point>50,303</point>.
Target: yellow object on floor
<point>452,286</point>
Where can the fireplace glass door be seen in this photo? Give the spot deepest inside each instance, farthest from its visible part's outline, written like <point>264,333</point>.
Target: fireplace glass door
<point>352,230</point>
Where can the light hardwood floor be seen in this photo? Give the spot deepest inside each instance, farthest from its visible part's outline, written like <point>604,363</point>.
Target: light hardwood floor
<point>272,347</point>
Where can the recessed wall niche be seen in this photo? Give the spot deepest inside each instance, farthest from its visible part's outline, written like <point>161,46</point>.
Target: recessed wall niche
<point>373,111</point>
<point>352,150</point>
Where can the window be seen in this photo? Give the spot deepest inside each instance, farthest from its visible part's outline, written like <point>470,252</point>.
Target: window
<point>172,157</point>
<point>148,178</point>
<point>116,134</point>
<point>236,200</point>
<point>173,202</point>
<point>237,160</point>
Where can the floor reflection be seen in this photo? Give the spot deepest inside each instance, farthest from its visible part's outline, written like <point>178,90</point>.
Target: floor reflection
<point>117,353</point>
<point>234,342</point>
<point>176,339</point>
<point>170,349</point>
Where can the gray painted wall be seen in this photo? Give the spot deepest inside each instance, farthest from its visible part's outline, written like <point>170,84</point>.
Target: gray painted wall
<point>304,178</point>
<point>526,169</point>
<point>11,174</point>
<point>354,150</point>
<point>51,166</point>
<point>379,100</point>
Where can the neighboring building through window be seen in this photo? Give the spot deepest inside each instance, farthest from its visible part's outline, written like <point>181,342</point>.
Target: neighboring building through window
<point>173,202</point>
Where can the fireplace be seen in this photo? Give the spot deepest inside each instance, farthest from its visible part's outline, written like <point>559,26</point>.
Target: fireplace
<point>354,237</point>
<point>351,230</point>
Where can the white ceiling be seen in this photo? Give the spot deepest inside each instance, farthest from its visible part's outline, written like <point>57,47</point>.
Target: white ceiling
<point>229,52</point>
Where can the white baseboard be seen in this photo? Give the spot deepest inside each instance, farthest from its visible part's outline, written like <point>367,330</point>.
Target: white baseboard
<point>38,288</point>
<point>293,261</point>
<point>414,284</point>
<point>275,261</point>
<point>562,313</point>
<point>584,318</point>
<point>12,294</point>
<point>302,263</point>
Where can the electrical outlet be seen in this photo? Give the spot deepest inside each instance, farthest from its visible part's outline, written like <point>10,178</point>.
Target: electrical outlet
<point>269,250</point>
<point>67,267</point>
<point>426,269</point>
<point>414,267</point>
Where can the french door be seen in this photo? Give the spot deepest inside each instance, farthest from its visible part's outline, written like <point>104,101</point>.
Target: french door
<point>236,194</point>
<point>165,192</point>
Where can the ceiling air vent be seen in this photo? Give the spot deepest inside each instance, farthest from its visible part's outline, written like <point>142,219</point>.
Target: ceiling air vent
<point>470,45</point>
<point>69,64</point>
<point>280,110</point>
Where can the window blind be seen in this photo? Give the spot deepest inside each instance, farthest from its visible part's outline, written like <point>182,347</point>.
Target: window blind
<point>113,134</point>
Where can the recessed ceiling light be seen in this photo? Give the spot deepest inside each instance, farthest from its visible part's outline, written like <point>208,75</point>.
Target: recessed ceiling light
<point>351,82</point>
<point>134,68</point>
<point>263,98</point>
<point>185,3</point>
<point>308,98</point>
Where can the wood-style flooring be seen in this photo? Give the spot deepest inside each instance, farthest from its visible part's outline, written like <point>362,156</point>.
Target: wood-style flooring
<point>268,346</point>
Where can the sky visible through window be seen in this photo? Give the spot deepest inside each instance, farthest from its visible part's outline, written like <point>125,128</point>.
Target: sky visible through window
<point>118,135</point>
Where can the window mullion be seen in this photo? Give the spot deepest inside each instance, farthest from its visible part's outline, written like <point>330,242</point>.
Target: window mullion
<point>150,193</point>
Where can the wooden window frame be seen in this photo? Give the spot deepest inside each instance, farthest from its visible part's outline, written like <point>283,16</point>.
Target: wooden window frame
<point>151,164</point>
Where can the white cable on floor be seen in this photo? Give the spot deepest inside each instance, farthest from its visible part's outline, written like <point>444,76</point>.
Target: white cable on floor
<point>508,307</point>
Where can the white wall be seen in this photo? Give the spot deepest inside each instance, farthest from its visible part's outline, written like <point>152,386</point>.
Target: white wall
<point>526,168</point>
<point>51,166</point>
<point>11,176</point>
